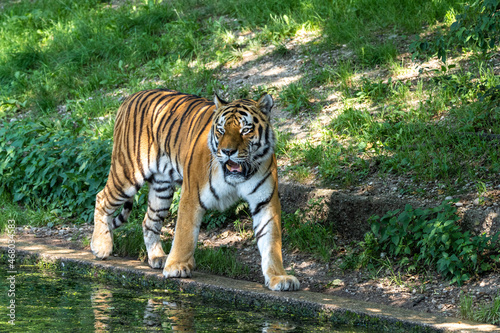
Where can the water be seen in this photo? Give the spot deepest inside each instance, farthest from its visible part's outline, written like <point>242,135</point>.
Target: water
<point>50,302</point>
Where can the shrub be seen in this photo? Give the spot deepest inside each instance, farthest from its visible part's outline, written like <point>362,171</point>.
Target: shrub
<point>55,165</point>
<point>477,27</point>
<point>432,237</point>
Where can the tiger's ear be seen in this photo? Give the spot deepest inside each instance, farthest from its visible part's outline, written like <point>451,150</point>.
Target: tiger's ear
<point>265,104</point>
<point>218,102</point>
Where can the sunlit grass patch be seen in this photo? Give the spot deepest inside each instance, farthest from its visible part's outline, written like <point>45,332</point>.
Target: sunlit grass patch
<point>221,261</point>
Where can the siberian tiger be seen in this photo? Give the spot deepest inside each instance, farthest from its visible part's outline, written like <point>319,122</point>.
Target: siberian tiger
<point>216,151</point>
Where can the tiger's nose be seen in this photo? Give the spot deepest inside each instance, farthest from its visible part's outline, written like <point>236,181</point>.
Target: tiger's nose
<point>228,152</point>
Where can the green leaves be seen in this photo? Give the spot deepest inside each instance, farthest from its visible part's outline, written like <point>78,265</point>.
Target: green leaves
<point>432,237</point>
<point>478,27</point>
<point>53,165</point>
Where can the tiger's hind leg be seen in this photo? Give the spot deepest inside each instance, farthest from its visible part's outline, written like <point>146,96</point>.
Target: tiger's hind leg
<point>160,197</point>
<point>107,202</point>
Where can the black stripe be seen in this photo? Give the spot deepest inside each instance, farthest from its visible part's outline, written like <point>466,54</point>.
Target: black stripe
<point>162,189</point>
<point>139,111</point>
<point>127,154</point>
<point>149,229</point>
<point>165,197</point>
<point>199,114</point>
<point>161,181</point>
<point>123,161</point>
<point>168,136</point>
<point>260,131</point>
<point>165,120</point>
<point>261,233</point>
<point>199,200</point>
<point>194,145</point>
<point>153,219</point>
<point>173,113</point>
<point>216,196</point>
<point>149,135</point>
<point>116,201</point>
<point>162,106</point>
<point>114,204</point>
<point>128,205</point>
<point>159,209</point>
<point>188,112</point>
<point>261,204</point>
<point>116,181</point>
<point>264,153</point>
<point>177,164</point>
<point>263,179</point>
<point>121,218</point>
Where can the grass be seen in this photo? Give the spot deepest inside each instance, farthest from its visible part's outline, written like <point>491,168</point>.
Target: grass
<point>486,312</point>
<point>221,261</point>
<point>25,216</point>
<point>306,231</point>
<point>408,140</point>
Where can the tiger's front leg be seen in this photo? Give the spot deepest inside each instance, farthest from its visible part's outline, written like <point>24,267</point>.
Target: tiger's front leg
<point>180,261</point>
<point>267,231</point>
<point>266,213</point>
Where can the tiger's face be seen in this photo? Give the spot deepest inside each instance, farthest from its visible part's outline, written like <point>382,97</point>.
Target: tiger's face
<point>241,138</point>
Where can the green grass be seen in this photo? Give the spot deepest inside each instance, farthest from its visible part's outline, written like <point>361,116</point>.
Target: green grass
<point>408,140</point>
<point>307,231</point>
<point>25,216</point>
<point>220,261</point>
<point>295,98</point>
<point>77,60</point>
<point>486,312</point>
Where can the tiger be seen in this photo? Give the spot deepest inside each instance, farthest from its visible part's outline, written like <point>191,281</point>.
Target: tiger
<point>217,152</point>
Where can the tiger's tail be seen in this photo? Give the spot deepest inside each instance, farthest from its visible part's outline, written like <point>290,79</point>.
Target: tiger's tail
<point>122,218</point>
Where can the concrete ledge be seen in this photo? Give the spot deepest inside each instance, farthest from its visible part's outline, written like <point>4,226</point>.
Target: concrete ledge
<point>335,309</point>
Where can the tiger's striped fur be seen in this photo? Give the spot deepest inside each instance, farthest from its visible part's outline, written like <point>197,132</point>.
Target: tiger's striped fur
<point>217,152</point>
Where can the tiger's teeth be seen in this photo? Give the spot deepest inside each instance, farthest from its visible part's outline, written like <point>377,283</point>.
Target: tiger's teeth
<point>234,167</point>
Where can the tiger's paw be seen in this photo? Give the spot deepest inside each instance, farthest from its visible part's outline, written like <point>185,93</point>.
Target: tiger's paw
<point>283,283</point>
<point>157,262</point>
<point>178,270</point>
<point>102,246</point>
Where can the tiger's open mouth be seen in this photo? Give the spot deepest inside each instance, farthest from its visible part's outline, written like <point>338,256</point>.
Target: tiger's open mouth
<point>233,167</point>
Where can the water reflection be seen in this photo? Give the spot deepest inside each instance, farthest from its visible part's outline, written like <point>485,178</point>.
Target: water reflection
<point>165,313</point>
<point>56,303</point>
<point>178,317</point>
<point>101,298</point>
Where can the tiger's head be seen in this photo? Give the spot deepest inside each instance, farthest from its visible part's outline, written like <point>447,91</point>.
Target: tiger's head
<point>241,137</point>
